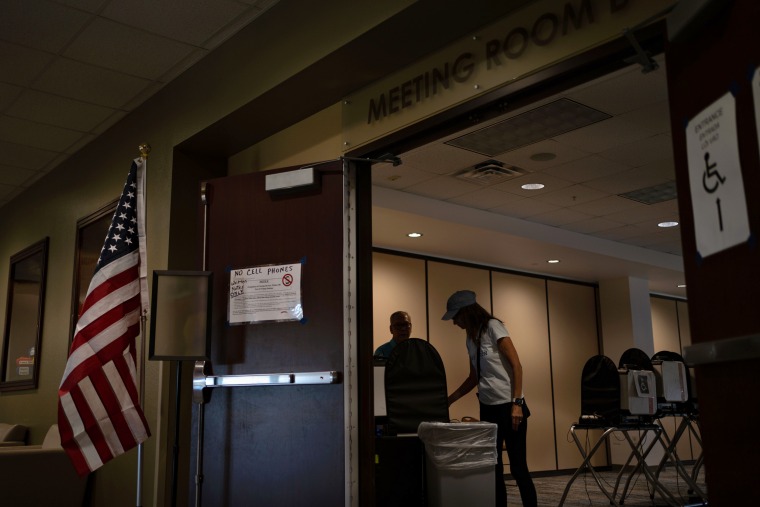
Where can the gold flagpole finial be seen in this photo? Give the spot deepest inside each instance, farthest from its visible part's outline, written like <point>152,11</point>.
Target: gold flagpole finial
<point>144,150</point>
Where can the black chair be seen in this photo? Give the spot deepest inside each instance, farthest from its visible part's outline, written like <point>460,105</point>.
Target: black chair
<point>635,359</point>
<point>600,392</point>
<point>415,391</point>
<point>415,387</point>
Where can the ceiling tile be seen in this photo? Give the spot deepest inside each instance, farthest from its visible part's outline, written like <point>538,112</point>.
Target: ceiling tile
<point>85,5</point>
<point>604,135</point>
<point>181,66</point>
<point>109,122</point>
<point>143,95</point>
<point>648,241</point>
<point>607,205</point>
<point>51,27</point>
<point>586,169</point>
<point>521,157</point>
<point>190,22</point>
<point>591,226</point>
<point>485,198</point>
<point>569,196</point>
<point>646,216</point>
<point>79,144</point>
<point>623,232</point>
<point>237,24</point>
<point>58,111</point>
<point>639,90</point>
<point>551,183</point>
<point>91,84</point>
<point>653,117</point>
<point>20,65</point>
<point>634,179</point>
<point>399,177</point>
<point>645,151</point>
<point>667,207</point>
<point>441,159</point>
<point>8,94</point>
<point>36,135</point>
<point>443,187</point>
<point>6,191</point>
<point>560,217</point>
<point>108,44</point>
<point>261,4</point>
<point>26,157</point>
<point>14,175</point>
<point>524,208</point>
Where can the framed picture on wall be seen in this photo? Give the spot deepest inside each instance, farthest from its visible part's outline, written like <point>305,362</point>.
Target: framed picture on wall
<point>91,235</point>
<point>24,316</point>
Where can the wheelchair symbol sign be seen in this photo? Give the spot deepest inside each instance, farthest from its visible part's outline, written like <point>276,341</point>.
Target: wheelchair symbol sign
<point>711,179</point>
<point>715,178</point>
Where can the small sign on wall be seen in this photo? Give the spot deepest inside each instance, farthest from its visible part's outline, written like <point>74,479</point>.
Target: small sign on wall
<point>265,293</point>
<point>715,178</point>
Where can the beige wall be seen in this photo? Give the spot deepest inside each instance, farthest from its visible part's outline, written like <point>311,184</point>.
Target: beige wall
<point>448,339</point>
<point>552,323</point>
<point>574,339</point>
<point>520,301</point>
<point>398,284</point>
<point>314,139</point>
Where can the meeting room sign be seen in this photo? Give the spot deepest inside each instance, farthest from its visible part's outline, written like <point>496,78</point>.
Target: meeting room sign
<point>537,36</point>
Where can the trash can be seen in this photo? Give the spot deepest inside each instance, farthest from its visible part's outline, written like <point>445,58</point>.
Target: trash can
<point>460,461</point>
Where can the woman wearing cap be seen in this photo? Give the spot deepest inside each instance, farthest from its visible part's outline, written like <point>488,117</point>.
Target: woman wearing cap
<point>496,371</point>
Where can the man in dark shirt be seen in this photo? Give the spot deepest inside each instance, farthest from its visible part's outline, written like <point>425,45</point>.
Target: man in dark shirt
<point>401,329</point>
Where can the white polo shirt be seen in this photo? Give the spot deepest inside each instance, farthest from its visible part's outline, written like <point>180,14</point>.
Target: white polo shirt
<point>495,385</point>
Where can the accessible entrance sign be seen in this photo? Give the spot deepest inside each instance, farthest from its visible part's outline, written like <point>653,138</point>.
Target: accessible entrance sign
<point>715,178</point>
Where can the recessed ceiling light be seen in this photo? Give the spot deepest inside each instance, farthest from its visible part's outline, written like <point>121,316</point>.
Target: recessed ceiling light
<point>533,186</point>
<point>415,234</point>
<point>553,261</point>
<point>667,224</point>
<point>543,157</point>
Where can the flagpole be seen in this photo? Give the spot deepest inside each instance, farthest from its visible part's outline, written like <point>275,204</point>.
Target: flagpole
<point>144,151</point>
<point>201,365</point>
<point>143,319</point>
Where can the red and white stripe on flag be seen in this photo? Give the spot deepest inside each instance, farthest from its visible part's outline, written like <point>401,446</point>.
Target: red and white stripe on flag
<point>99,415</point>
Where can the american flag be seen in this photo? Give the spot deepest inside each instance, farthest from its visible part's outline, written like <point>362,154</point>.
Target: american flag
<point>99,414</point>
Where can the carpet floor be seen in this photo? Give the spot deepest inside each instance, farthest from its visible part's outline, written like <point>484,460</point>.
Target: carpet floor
<point>584,490</point>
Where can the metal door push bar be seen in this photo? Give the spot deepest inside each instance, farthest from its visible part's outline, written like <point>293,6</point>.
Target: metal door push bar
<point>201,380</point>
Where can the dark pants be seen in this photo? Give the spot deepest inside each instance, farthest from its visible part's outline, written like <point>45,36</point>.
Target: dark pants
<point>501,415</point>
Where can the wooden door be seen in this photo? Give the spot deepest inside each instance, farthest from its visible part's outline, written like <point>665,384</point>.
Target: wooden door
<point>278,445</point>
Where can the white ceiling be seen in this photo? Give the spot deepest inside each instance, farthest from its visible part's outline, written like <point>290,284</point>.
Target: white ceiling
<point>70,69</point>
<point>578,217</point>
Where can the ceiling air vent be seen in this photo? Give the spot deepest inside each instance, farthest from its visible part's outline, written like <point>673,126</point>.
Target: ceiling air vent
<point>489,173</point>
<point>543,122</point>
<point>654,194</point>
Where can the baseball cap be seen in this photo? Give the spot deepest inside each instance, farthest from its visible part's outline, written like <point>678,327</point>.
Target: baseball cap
<point>457,301</point>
